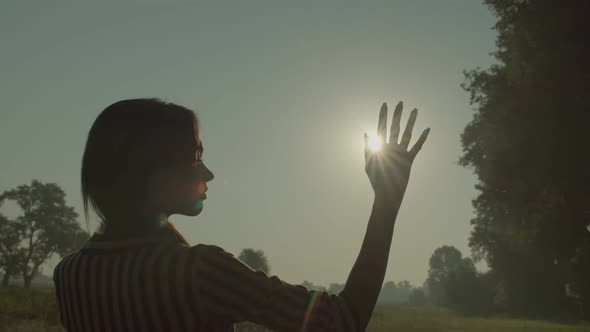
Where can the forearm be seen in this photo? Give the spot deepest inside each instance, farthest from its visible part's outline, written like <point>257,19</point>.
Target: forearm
<point>366,277</point>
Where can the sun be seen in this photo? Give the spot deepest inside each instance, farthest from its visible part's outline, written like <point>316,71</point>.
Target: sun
<point>374,143</point>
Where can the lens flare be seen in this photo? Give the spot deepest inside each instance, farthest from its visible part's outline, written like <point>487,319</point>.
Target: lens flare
<point>374,143</point>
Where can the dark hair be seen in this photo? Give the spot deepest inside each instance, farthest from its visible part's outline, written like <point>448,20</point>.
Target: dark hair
<point>128,141</point>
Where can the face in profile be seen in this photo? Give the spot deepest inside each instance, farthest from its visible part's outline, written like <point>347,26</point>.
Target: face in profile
<point>183,188</point>
<point>193,191</point>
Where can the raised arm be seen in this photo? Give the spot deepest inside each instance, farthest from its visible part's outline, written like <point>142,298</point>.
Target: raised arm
<point>388,170</point>
<point>229,290</point>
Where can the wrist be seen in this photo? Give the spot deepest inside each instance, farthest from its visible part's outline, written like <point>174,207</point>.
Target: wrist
<point>390,194</point>
<point>388,199</point>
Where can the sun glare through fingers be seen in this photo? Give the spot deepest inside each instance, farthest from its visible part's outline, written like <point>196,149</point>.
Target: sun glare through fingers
<point>374,143</point>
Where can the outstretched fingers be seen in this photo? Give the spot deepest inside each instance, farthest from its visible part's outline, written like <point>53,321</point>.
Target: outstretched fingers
<point>382,125</point>
<point>409,127</point>
<point>397,115</point>
<point>416,148</point>
<point>395,130</point>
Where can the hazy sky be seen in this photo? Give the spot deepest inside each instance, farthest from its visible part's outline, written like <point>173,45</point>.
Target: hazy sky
<point>284,91</point>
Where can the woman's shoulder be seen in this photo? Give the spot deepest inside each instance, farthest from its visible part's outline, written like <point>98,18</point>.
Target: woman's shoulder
<point>64,260</point>
<point>213,255</point>
<point>202,249</point>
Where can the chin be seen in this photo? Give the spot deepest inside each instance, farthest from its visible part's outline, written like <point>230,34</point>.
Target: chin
<point>190,208</point>
<point>193,211</point>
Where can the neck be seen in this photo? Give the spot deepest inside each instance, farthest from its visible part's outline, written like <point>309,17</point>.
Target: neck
<point>129,226</point>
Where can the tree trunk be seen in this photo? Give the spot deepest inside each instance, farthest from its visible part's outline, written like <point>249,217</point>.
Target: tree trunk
<point>27,281</point>
<point>5,278</point>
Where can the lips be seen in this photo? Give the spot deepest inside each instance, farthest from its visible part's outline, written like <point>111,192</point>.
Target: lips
<point>204,196</point>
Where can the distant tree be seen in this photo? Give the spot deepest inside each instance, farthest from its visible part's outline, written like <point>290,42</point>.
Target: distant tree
<point>395,293</point>
<point>463,289</point>
<point>310,285</point>
<point>255,259</point>
<point>388,293</point>
<point>404,288</point>
<point>47,226</point>
<point>443,261</point>
<point>454,282</point>
<point>307,284</point>
<point>10,253</point>
<point>335,288</point>
<point>417,297</point>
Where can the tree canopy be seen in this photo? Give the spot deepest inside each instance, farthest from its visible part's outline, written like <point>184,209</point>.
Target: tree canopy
<point>444,261</point>
<point>255,259</point>
<point>47,226</point>
<point>527,144</point>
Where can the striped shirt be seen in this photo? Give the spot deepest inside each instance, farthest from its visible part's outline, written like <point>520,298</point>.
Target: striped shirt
<point>158,282</point>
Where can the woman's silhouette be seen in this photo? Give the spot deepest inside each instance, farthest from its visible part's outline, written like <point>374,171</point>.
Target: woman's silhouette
<point>143,163</point>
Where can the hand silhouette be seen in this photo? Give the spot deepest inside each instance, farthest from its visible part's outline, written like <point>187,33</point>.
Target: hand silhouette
<point>388,169</point>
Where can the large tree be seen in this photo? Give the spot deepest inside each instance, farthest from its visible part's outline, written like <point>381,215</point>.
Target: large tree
<point>528,146</point>
<point>10,253</point>
<point>47,226</point>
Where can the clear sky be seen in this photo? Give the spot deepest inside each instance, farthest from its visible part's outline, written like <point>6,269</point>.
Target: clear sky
<point>284,91</point>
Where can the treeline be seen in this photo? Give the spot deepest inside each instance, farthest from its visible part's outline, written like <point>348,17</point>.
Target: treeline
<point>399,293</point>
<point>528,146</point>
<point>40,280</point>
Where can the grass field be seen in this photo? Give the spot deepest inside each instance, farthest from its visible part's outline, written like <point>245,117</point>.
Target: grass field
<point>35,311</point>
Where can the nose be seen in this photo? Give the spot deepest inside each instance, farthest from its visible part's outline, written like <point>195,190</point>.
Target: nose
<point>207,174</point>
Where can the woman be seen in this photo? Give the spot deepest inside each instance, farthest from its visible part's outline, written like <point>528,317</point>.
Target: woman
<point>142,163</point>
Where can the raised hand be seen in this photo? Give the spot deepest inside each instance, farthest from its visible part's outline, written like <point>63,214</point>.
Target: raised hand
<point>388,168</point>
